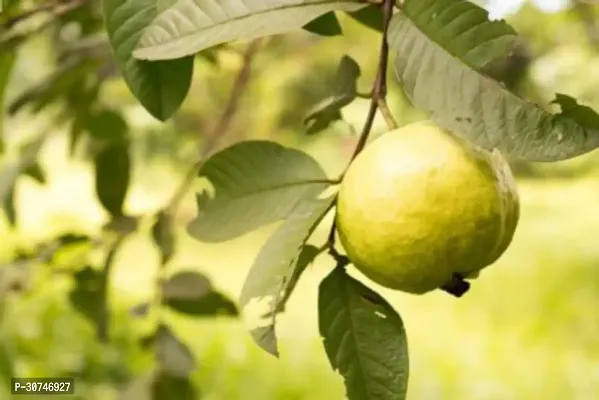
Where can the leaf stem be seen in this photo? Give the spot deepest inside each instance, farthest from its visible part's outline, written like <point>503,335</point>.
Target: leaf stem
<point>386,113</point>
<point>377,101</point>
<point>103,330</point>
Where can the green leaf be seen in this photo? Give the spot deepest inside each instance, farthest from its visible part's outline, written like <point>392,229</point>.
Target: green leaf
<point>112,175</point>
<point>164,237</point>
<point>160,87</point>
<point>35,172</point>
<point>174,356</point>
<point>342,92</point>
<point>7,62</point>
<point>186,285</point>
<point>86,295</point>
<point>440,48</point>
<point>190,26</point>
<point>168,387</point>
<point>370,16</point>
<point>210,304</point>
<point>364,339</point>
<point>325,25</point>
<point>255,183</point>
<point>192,293</point>
<point>276,269</point>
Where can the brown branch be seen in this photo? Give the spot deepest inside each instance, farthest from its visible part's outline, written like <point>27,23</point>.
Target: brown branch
<point>377,97</point>
<point>56,9</point>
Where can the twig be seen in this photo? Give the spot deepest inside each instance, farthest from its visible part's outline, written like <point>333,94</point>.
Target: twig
<point>386,113</point>
<point>221,127</point>
<point>377,98</point>
<point>57,10</point>
<point>103,329</point>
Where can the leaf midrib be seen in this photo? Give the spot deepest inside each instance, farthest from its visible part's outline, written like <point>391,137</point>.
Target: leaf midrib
<point>245,16</point>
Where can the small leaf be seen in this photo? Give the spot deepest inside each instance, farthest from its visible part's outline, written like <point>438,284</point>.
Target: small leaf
<point>364,339</point>
<point>439,59</point>
<point>186,286</point>
<point>255,183</point>
<point>160,87</point>
<point>36,172</point>
<point>209,305</point>
<point>276,270</point>
<point>168,387</point>
<point>190,26</point>
<point>86,295</point>
<point>370,16</point>
<point>112,170</point>
<point>8,205</point>
<point>342,93</point>
<point>164,237</point>
<point>174,356</point>
<point>15,166</point>
<point>325,25</point>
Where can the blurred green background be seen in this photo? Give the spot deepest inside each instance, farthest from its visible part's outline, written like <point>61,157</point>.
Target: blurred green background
<point>528,329</point>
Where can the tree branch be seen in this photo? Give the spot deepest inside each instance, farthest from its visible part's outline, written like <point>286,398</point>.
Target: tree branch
<point>377,98</point>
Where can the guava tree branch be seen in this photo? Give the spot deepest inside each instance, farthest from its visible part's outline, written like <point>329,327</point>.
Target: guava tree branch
<point>378,101</point>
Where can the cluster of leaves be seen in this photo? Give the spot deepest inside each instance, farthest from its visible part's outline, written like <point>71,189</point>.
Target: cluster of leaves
<point>445,54</point>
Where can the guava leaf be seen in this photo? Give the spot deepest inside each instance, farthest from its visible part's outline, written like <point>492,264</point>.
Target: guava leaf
<point>342,92</point>
<point>172,354</point>
<point>192,293</point>
<point>167,387</point>
<point>112,176</point>
<point>325,25</point>
<point>190,26</point>
<point>161,86</point>
<point>364,339</point>
<point>163,236</point>
<point>370,16</point>
<point>255,183</point>
<point>276,269</point>
<point>440,48</point>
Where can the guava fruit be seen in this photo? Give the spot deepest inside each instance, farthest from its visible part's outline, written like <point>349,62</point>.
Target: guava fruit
<point>419,205</point>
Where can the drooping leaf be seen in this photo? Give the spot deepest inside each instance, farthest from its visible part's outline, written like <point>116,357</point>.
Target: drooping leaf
<point>86,294</point>
<point>342,92</point>
<point>169,387</point>
<point>8,205</point>
<point>371,16</point>
<point>174,356</point>
<point>440,48</point>
<point>186,285</point>
<point>255,183</point>
<point>160,87</point>
<point>112,175</point>
<point>364,338</point>
<point>325,25</point>
<point>190,26</point>
<point>164,237</point>
<point>209,305</point>
<point>112,161</point>
<point>276,269</point>
<point>192,293</point>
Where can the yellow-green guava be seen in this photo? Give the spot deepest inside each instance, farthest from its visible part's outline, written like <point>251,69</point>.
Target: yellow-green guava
<point>419,205</point>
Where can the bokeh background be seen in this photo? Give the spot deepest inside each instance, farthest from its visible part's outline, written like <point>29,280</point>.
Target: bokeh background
<point>528,329</point>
